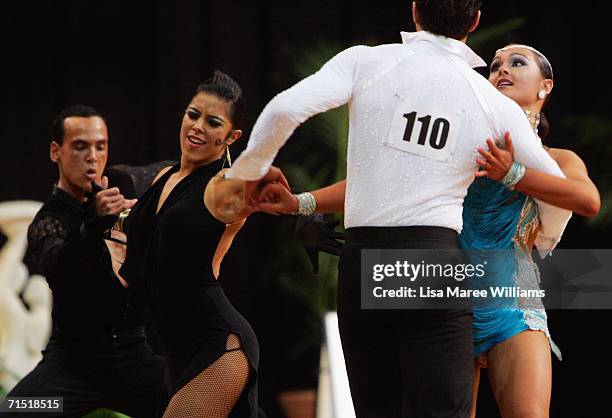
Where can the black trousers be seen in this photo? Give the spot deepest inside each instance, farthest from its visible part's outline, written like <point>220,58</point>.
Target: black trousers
<point>403,363</point>
<point>120,373</point>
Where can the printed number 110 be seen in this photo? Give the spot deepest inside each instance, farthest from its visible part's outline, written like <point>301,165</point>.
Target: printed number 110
<point>437,140</point>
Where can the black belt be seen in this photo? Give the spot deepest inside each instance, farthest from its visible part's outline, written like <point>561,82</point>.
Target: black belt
<point>399,233</point>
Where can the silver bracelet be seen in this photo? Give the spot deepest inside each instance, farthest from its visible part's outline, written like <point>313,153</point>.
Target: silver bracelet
<point>306,204</point>
<point>514,175</point>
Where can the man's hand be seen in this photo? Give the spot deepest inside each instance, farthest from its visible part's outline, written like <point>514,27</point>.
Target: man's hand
<point>276,199</point>
<point>253,189</point>
<point>497,161</point>
<point>111,201</point>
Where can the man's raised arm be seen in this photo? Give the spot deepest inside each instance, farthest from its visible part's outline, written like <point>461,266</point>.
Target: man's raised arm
<point>328,88</point>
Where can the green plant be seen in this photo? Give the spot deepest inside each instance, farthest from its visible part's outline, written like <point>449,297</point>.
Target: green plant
<point>315,159</point>
<point>487,40</point>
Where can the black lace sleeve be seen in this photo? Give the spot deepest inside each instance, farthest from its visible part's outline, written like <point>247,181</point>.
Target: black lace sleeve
<point>60,253</point>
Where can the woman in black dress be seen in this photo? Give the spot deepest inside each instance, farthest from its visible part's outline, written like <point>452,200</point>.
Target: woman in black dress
<point>175,248</point>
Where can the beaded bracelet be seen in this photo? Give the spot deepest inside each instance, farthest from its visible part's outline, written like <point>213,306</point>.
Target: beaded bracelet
<point>306,204</point>
<point>514,175</point>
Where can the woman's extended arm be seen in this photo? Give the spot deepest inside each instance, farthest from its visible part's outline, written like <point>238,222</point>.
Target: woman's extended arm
<point>330,199</point>
<point>276,199</point>
<point>231,230</point>
<point>576,193</point>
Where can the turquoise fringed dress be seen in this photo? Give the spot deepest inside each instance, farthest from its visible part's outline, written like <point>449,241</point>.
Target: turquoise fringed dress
<point>496,225</point>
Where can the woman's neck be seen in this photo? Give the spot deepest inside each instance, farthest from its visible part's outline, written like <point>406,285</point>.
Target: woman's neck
<point>188,166</point>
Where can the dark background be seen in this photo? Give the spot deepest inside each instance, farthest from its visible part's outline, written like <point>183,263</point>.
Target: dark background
<point>139,62</point>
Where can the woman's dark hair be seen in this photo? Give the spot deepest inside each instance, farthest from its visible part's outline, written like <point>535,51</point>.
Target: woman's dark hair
<point>544,65</point>
<point>225,88</point>
<point>83,111</point>
<point>547,72</point>
<point>450,18</point>
<point>544,126</point>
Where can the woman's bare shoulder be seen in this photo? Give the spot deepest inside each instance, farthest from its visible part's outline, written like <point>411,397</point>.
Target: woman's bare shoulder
<point>565,156</point>
<point>569,162</point>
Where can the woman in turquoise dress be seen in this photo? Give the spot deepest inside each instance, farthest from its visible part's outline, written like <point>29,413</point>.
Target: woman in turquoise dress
<point>500,213</point>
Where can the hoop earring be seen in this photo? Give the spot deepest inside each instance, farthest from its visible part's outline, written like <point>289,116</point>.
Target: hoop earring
<point>228,157</point>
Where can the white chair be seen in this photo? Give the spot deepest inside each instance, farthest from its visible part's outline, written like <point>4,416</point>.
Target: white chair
<point>23,332</point>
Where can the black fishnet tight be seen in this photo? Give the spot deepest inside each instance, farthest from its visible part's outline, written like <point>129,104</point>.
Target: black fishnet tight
<point>214,392</point>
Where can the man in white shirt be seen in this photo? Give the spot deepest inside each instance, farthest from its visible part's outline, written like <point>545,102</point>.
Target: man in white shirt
<point>418,111</point>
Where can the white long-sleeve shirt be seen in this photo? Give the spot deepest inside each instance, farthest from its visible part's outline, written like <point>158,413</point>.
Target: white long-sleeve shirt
<point>417,112</point>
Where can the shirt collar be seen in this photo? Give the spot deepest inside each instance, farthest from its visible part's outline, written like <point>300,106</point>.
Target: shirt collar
<point>68,199</point>
<point>453,46</point>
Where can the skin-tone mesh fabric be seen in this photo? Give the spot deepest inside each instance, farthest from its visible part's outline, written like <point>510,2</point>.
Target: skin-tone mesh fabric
<point>214,392</point>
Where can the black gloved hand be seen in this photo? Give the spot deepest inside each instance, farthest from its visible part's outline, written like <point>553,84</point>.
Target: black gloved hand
<point>317,234</point>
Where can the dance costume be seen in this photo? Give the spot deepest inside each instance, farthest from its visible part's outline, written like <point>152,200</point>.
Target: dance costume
<point>97,355</point>
<point>169,262</point>
<point>495,218</point>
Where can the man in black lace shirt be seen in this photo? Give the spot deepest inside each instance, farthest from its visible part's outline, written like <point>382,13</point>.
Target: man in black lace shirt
<point>97,355</point>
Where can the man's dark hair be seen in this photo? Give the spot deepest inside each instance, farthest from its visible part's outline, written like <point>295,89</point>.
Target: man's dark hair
<point>57,127</point>
<point>450,18</point>
<point>225,88</point>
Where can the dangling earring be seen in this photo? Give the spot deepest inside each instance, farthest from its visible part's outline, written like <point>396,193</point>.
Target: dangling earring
<point>542,94</point>
<point>228,157</point>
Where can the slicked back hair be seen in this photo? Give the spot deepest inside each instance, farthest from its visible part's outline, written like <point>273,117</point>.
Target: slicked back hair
<point>450,18</point>
<point>57,127</point>
<point>227,89</point>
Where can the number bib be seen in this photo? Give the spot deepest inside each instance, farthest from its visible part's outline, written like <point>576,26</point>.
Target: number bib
<point>429,131</point>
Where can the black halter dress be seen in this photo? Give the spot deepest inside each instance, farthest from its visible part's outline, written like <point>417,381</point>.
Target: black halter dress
<point>169,262</point>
